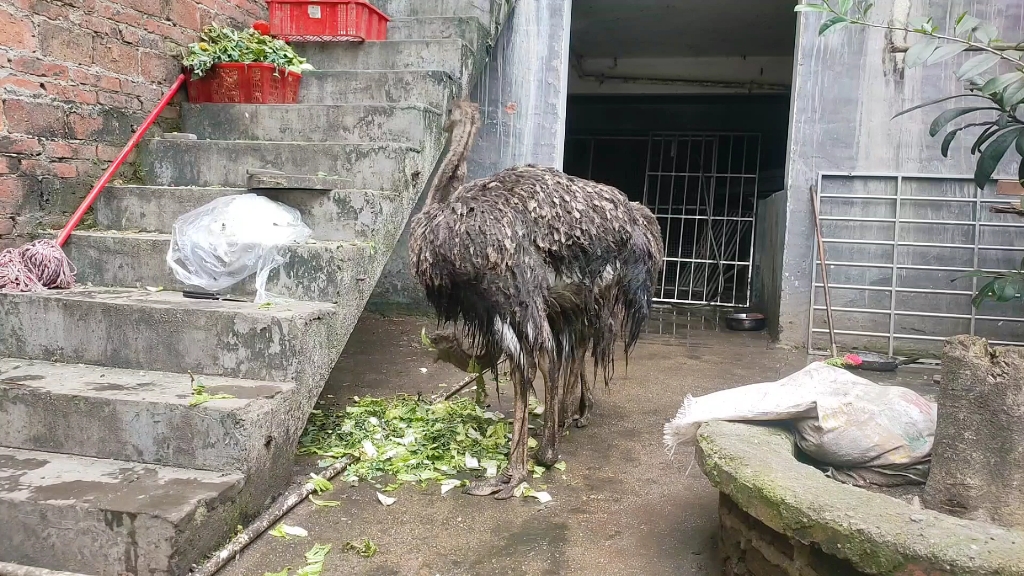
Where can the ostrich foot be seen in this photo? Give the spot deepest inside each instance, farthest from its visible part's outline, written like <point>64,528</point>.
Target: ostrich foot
<point>547,452</point>
<point>503,485</point>
<point>582,421</point>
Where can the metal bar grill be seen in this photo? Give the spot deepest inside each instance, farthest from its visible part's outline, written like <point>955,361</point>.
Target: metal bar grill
<point>702,188</point>
<point>894,257</point>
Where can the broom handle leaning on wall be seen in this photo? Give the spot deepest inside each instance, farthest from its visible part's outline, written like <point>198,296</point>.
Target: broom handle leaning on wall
<point>824,274</point>
<point>76,218</point>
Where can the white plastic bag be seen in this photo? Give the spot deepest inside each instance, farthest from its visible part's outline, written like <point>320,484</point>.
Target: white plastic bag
<point>839,418</point>
<point>223,242</point>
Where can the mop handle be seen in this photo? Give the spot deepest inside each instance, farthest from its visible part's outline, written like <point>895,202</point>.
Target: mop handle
<point>116,164</point>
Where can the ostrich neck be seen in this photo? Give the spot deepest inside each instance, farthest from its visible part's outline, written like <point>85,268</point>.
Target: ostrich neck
<point>462,126</point>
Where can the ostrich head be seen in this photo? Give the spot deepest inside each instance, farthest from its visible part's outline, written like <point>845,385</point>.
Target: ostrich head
<point>461,127</point>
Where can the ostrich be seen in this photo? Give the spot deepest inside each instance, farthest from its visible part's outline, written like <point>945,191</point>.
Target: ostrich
<point>541,268</point>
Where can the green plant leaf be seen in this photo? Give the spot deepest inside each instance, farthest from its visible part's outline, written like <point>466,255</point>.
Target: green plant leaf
<point>993,154</point>
<point>934,102</point>
<point>999,83</point>
<point>844,6</point>
<point>943,120</point>
<point>1013,94</point>
<point>945,52</point>
<point>952,134</point>
<point>920,52</point>
<point>986,33</point>
<point>965,24</point>
<point>834,23</point>
<point>977,65</point>
<point>986,135</point>
<point>810,8</point>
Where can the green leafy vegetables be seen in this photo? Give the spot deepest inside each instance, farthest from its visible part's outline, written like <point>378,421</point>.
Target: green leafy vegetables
<point>409,439</point>
<point>219,44</point>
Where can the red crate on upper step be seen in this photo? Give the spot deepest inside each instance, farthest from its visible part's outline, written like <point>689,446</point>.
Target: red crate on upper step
<point>326,21</point>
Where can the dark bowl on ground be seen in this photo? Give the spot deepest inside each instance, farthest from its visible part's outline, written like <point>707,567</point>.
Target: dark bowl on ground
<point>745,322</point>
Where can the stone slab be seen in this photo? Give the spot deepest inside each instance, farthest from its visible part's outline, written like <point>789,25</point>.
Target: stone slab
<point>318,272</point>
<point>434,88</point>
<point>108,517</point>
<point>141,416</point>
<point>402,123</point>
<point>334,215</point>
<point>372,166</point>
<point>452,55</point>
<point>470,30</point>
<point>480,9</point>
<point>756,468</point>
<point>141,330</point>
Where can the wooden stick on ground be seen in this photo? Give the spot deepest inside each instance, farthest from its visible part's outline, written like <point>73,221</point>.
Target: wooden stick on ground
<point>280,508</point>
<point>463,385</point>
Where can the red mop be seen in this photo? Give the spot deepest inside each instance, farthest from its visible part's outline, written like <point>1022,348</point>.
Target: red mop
<point>42,264</point>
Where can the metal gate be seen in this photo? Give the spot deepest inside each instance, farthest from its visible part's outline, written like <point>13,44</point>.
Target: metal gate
<point>897,248</point>
<point>702,187</point>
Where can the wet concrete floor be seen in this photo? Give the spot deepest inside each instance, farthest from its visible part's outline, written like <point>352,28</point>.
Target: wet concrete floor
<point>623,506</point>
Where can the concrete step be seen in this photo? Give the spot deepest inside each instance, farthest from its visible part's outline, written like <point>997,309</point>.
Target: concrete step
<point>434,88</point>
<point>103,412</point>
<point>163,331</point>
<point>469,30</point>
<point>337,215</point>
<point>109,517</point>
<point>480,9</point>
<point>371,166</point>
<point>450,55</point>
<point>320,272</point>
<point>402,123</point>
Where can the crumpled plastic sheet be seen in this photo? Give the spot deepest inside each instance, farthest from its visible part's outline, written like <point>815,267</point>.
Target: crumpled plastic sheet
<point>227,240</point>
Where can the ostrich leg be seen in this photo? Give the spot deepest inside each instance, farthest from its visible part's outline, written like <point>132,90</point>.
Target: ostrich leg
<point>569,404</point>
<point>516,473</point>
<point>547,453</point>
<point>586,401</point>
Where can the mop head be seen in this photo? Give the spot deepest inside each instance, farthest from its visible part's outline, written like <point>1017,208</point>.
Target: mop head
<point>34,267</point>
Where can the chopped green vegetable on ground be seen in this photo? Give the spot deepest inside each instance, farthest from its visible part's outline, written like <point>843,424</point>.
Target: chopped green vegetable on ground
<point>315,560</point>
<point>409,439</point>
<point>199,394</point>
<point>366,548</point>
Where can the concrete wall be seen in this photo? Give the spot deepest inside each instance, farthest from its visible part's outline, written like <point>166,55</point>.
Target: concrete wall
<point>846,89</point>
<point>522,95</point>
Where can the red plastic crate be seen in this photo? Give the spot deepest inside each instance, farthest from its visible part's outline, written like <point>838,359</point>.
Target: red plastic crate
<point>326,21</point>
<point>245,83</point>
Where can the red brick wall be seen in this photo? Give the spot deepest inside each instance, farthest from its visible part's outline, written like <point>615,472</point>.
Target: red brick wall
<point>76,78</point>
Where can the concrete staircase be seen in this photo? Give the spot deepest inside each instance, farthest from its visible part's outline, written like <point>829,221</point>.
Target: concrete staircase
<point>105,469</point>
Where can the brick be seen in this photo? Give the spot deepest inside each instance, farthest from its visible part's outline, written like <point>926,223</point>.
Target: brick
<point>13,144</point>
<point>158,68</point>
<point>20,83</point>
<point>184,13</point>
<point>40,119</point>
<point>65,43</point>
<point>83,5</point>
<point>117,57</point>
<point>69,150</point>
<point>179,35</point>
<point>2,123</point>
<point>15,193</point>
<point>46,9</point>
<point>101,26</point>
<point>107,153</point>
<point>145,92</point>
<point>6,227</point>
<point>9,165</point>
<point>119,14</point>
<point>70,93</point>
<point>119,100</point>
<point>107,125</point>
<point>64,170</point>
<point>37,67</point>
<point>16,32</point>
<point>151,7</point>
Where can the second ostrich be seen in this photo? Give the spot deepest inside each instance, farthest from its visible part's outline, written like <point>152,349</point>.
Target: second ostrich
<point>541,268</point>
